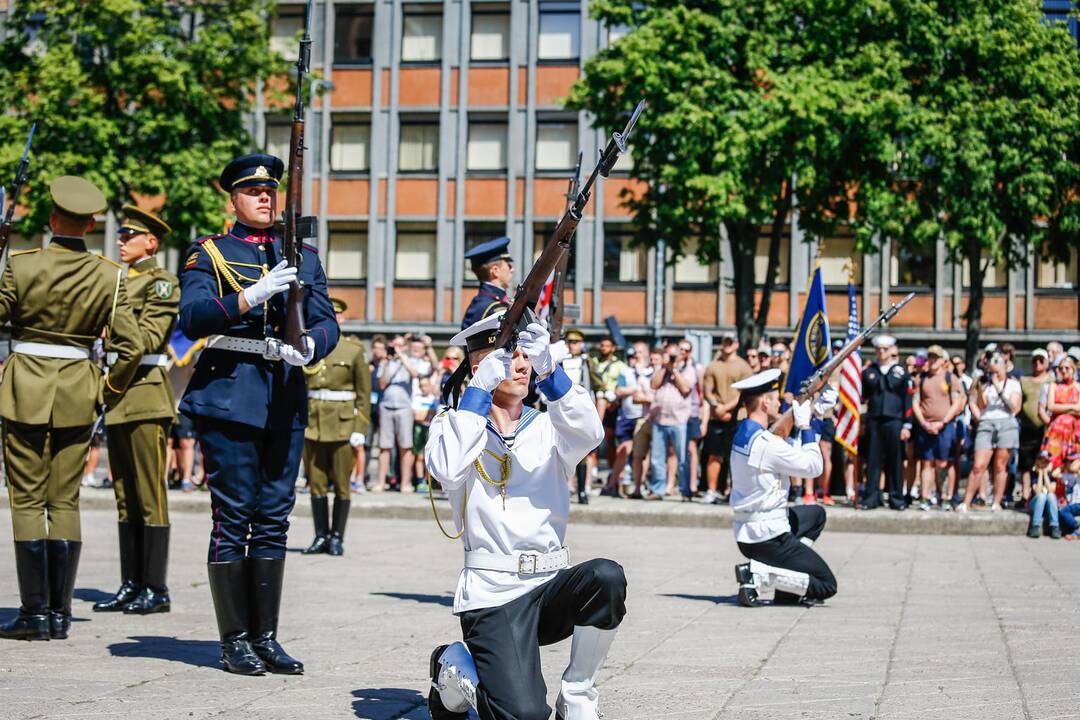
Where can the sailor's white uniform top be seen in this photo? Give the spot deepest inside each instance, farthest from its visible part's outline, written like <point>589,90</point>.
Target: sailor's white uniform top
<point>761,464</point>
<point>533,514</point>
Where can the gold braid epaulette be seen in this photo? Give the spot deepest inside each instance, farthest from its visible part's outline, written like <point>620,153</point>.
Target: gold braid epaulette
<point>225,269</point>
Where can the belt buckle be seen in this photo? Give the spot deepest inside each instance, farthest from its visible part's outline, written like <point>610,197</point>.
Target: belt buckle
<point>527,564</point>
<point>273,349</point>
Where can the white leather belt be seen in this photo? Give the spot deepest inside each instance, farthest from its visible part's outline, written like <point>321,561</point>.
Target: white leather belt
<point>332,395</point>
<point>522,563</point>
<point>154,360</point>
<point>269,348</point>
<point>48,350</point>
<point>749,516</point>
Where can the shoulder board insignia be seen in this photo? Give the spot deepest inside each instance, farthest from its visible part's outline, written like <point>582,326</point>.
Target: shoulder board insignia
<point>163,289</point>
<point>25,252</point>
<point>203,239</point>
<point>111,262</point>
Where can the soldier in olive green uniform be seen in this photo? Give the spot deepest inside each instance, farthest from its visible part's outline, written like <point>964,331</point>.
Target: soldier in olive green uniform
<point>139,424</point>
<point>58,301</point>
<point>339,413</point>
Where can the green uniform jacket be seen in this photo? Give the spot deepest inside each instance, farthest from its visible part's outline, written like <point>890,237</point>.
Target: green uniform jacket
<point>63,295</point>
<point>346,368</point>
<point>154,294</point>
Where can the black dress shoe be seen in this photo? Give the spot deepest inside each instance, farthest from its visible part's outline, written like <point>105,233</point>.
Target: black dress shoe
<point>275,658</point>
<point>150,601</point>
<point>27,626</point>
<point>239,657</point>
<point>130,569</point>
<point>319,545</point>
<point>63,566</point>
<point>336,547</point>
<point>320,514</point>
<point>265,577</point>
<point>31,569</point>
<point>748,597</point>
<point>127,592</point>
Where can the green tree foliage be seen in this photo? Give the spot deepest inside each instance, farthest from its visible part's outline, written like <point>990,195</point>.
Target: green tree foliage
<point>147,97</point>
<point>742,98</point>
<point>987,149</point>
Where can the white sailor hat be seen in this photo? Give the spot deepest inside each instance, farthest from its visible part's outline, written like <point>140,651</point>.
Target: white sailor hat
<point>883,341</point>
<point>481,334</point>
<point>762,382</point>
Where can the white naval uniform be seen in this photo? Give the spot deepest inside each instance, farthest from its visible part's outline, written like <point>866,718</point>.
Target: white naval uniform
<point>546,449</point>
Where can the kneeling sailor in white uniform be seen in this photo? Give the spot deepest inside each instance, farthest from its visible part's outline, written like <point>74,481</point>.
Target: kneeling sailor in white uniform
<point>777,539</point>
<point>505,468</point>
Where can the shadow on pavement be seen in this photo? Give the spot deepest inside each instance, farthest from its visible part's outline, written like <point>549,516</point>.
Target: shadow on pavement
<point>200,653</point>
<point>718,599</point>
<point>444,600</point>
<point>389,704</point>
<point>91,595</point>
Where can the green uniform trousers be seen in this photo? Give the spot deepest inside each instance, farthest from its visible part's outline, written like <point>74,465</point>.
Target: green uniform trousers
<point>44,473</point>
<point>137,460</point>
<point>326,463</point>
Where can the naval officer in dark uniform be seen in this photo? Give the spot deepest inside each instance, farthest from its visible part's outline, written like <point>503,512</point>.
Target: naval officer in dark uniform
<point>248,401</point>
<point>494,268</point>
<point>886,386</point>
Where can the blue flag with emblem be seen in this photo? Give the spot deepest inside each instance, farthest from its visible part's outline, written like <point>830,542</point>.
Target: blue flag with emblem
<point>182,348</point>
<point>812,347</point>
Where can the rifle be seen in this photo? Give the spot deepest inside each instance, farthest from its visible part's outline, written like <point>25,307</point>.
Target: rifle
<point>16,186</point>
<point>528,292</point>
<point>560,270</point>
<point>297,226</point>
<point>816,383</point>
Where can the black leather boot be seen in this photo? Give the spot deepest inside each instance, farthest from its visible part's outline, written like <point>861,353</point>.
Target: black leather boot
<point>31,568</point>
<point>748,597</point>
<point>341,518</point>
<point>320,513</point>
<point>154,597</point>
<point>129,571</point>
<point>63,566</point>
<point>229,589</point>
<point>266,580</point>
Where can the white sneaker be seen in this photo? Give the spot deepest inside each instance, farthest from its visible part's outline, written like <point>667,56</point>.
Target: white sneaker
<point>962,508</point>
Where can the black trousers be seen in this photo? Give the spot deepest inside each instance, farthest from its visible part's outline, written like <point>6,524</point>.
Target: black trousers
<point>718,441</point>
<point>884,451</point>
<point>786,551</point>
<point>505,641</point>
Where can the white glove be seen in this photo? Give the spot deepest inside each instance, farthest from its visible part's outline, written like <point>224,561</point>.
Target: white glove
<point>291,356</point>
<point>492,370</point>
<point>800,412</point>
<point>273,282</point>
<point>559,352</point>
<point>826,401</point>
<point>535,342</point>
<point>356,439</point>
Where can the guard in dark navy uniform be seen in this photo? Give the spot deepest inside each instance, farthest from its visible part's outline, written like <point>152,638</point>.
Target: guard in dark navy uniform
<point>886,385</point>
<point>494,268</point>
<point>248,401</point>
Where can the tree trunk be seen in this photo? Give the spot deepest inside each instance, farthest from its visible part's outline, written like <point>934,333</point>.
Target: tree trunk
<point>780,211</point>
<point>743,239</point>
<point>973,315</point>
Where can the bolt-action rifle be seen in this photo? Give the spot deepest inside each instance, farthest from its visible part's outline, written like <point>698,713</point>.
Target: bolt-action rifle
<point>16,186</point>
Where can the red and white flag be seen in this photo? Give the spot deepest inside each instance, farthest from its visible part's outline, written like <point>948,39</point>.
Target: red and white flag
<point>543,307</point>
<point>848,413</point>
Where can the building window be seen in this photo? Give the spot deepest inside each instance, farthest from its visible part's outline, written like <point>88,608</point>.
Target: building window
<point>761,260</point>
<point>556,145</point>
<point>287,23</point>
<point>615,32</point>
<point>995,277</point>
<point>476,233</point>
<point>277,139</point>
<point>421,39</point>
<point>350,141</point>
<point>837,256</point>
<point>419,150</point>
<point>560,32</point>
<point>490,33</point>
<point>690,271</point>
<point>414,260</point>
<point>346,256</point>
<point>353,26</point>
<point>542,232</point>
<point>624,262</point>
<point>1053,275</point>
<point>912,266</point>
<point>487,146</point>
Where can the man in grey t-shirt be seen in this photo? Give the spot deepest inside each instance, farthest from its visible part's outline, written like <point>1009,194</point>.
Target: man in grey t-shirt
<point>396,373</point>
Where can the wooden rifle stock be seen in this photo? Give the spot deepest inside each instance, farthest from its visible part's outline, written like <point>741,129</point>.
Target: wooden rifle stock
<point>555,326</point>
<point>297,227</point>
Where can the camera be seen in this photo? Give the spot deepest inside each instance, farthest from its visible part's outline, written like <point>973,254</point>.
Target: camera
<point>391,351</point>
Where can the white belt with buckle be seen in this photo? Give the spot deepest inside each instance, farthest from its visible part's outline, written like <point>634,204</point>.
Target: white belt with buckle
<point>332,395</point>
<point>269,348</point>
<point>522,563</point>
<point>48,350</point>
<point>153,360</point>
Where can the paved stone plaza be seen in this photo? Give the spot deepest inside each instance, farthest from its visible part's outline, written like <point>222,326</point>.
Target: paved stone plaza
<point>924,627</point>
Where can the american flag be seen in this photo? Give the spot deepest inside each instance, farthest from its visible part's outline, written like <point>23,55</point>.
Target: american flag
<point>848,415</point>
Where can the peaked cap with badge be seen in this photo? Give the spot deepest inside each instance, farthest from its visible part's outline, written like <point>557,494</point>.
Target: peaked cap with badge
<point>138,221</point>
<point>258,169</point>
<point>490,297</point>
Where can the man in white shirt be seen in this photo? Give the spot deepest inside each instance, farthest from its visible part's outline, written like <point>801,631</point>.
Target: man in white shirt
<point>775,538</point>
<point>505,469</point>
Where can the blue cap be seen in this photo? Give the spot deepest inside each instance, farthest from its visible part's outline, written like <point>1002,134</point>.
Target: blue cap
<point>252,170</point>
<point>489,251</point>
